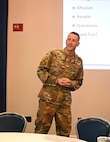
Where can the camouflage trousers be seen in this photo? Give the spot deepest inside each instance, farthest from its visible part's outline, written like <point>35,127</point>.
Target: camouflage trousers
<point>47,111</point>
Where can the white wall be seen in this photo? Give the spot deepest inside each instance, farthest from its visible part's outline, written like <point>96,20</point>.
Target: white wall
<point>42,21</point>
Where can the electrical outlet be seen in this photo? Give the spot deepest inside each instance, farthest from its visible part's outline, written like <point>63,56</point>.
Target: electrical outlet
<point>79,118</point>
<point>28,118</point>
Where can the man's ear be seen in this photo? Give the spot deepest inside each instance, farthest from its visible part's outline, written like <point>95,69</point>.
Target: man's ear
<point>78,43</point>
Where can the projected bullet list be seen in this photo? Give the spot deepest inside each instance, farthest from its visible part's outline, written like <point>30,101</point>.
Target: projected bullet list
<point>83,15</point>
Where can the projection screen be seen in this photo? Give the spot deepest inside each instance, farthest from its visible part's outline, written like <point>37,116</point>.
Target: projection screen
<point>90,18</point>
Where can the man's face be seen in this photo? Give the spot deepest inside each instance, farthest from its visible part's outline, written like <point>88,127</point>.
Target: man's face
<point>72,42</point>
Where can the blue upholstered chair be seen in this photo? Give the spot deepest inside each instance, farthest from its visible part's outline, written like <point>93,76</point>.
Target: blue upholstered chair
<point>12,122</point>
<point>90,128</point>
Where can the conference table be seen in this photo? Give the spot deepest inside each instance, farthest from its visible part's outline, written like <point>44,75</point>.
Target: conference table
<point>33,137</point>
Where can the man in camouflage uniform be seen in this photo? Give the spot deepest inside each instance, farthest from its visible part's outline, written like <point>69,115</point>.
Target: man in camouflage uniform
<point>61,71</point>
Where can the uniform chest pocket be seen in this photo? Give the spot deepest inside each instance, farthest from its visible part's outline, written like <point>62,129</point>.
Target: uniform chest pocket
<point>71,71</point>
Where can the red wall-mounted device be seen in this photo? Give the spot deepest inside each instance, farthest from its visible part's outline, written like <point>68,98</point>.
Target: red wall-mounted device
<point>17,27</point>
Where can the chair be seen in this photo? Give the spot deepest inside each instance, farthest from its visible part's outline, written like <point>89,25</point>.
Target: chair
<point>12,122</point>
<point>89,129</point>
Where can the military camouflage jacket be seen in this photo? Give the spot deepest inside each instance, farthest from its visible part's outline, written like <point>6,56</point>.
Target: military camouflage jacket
<point>56,64</point>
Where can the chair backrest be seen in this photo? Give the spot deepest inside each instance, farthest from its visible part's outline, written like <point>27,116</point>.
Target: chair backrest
<point>12,122</point>
<point>90,128</point>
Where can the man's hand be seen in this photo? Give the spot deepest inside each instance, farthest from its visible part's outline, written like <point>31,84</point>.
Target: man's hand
<point>64,82</point>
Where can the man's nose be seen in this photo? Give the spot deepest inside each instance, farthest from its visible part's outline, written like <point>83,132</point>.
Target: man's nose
<point>70,41</point>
